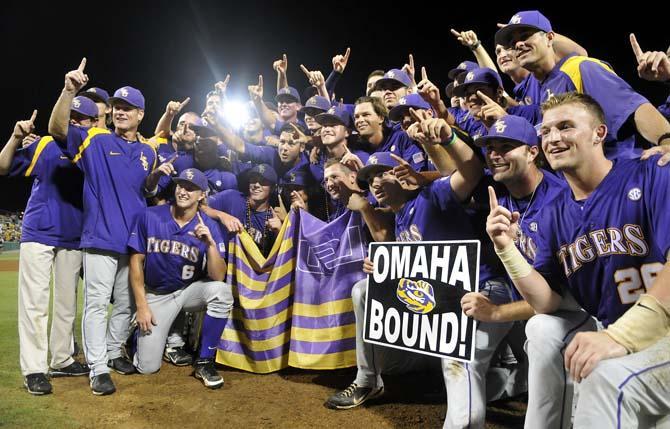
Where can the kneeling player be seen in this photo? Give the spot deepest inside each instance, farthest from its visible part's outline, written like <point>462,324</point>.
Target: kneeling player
<point>177,265</point>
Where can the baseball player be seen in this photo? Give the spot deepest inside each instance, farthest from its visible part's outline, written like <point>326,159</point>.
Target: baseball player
<point>531,35</point>
<point>606,240</point>
<point>418,218</point>
<point>394,85</point>
<point>177,264</point>
<point>511,150</point>
<point>50,239</point>
<point>99,97</point>
<point>250,210</point>
<point>115,167</point>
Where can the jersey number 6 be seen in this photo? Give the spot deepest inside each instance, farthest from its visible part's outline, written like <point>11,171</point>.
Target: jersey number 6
<point>187,272</point>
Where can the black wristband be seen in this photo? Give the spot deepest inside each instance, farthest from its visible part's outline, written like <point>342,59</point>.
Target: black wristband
<point>663,137</point>
<point>476,45</point>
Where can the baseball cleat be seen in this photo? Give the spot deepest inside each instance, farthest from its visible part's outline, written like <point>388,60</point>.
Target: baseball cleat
<point>177,356</point>
<point>72,370</point>
<point>353,396</point>
<point>204,370</point>
<point>37,384</point>
<point>102,385</point>
<point>121,365</point>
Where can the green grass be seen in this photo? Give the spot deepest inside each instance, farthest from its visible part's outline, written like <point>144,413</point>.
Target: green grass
<point>18,408</point>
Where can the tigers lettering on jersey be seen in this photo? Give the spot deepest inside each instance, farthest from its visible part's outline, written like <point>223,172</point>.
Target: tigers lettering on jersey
<point>628,240</point>
<point>173,247</point>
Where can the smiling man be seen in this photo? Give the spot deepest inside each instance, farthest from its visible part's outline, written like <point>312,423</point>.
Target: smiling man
<point>607,241</point>
<point>115,166</point>
<point>530,35</point>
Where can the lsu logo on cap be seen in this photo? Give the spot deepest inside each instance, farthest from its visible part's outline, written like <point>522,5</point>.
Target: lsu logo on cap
<point>261,169</point>
<point>462,66</point>
<point>189,174</point>
<point>331,111</point>
<point>469,76</point>
<point>402,101</point>
<point>390,74</point>
<point>516,19</point>
<point>372,160</point>
<point>76,103</point>
<point>418,296</point>
<point>500,126</point>
<point>124,92</point>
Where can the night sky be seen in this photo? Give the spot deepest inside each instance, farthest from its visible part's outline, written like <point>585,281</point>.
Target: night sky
<point>171,50</point>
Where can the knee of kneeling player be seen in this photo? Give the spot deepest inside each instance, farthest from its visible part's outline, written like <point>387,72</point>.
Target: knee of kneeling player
<point>149,368</point>
<point>223,300</point>
<point>545,329</point>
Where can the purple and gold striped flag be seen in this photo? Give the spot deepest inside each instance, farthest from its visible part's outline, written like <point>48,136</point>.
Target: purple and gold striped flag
<point>294,307</point>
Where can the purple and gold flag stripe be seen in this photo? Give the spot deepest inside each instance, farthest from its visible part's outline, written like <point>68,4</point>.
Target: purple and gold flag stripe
<point>281,319</point>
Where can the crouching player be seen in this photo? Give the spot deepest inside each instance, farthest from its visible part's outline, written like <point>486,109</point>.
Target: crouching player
<point>177,265</point>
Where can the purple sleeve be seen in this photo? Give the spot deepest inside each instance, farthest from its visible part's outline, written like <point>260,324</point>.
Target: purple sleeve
<point>665,109</point>
<point>22,160</point>
<point>226,200</point>
<point>331,82</point>
<point>75,137</point>
<point>259,154</point>
<point>138,234</point>
<point>615,96</point>
<point>442,195</point>
<point>218,238</point>
<point>658,205</point>
<point>545,261</point>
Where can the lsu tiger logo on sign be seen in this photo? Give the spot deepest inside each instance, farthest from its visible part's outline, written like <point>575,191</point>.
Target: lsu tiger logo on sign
<point>418,295</point>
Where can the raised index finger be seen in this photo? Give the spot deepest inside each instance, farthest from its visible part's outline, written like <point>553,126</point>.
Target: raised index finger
<point>411,61</point>
<point>199,217</point>
<point>184,103</point>
<point>636,47</point>
<point>304,70</point>
<point>82,65</point>
<point>399,159</point>
<point>346,55</point>
<point>485,98</point>
<point>424,73</point>
<point>455,33</point>
<point>493,199</point>
<point>32,118</point>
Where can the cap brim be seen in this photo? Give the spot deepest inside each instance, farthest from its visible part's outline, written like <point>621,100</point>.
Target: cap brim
<point>328,118</point>
<point>95,116</point>
<point>396,113</point>
<point>449,90</point>
<point>312,111</point>
<point>97,98</point>
<point>481,142</point>
<point>179,179</point>
<point>202,131</point>
<point>114,100</point>
<point>503,36</point>
<point>364,173</point>
<point>287,98</point>
<point>384,80</point>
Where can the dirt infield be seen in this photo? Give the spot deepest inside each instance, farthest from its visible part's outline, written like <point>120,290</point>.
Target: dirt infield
<point>291,398</point>
<point>9,265</point>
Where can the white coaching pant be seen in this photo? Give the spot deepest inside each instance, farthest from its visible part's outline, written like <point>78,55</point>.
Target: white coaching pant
<point>105,275</point>
<point>36,263</point>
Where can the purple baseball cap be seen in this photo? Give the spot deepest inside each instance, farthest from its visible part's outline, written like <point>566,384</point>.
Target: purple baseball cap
<point>511,128</point>
<point>479,76</point>
<point>525,19</point>
<point>295,178</point>
<point>338,115</point>
<point>201,128</point>
<point>316,105</point>
<point>99,92</point>
<point>465,66</point>
<point>195,177</point>
<point>394,77</point>
<point>84,106</point>
<point>129,95</point>
<point>414,101</point>
<point>378,162</point>
<point>288,95</point>
<point>264,170</point>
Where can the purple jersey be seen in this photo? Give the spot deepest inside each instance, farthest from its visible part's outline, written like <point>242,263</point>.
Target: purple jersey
<point>437,214</point>
<point>609,247</point>
<point>270,155</point>
<point>665,109</point>
<point>398,142</point>
<point>53,215</point>
<point>529,209</point>
<point>234,203</point>
<point>174,256</point>
<point>114,174</point>
<point>618,100</point>
<point>527,91</point>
